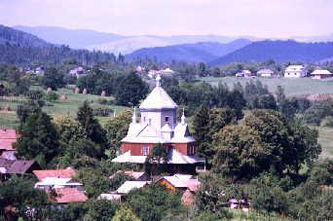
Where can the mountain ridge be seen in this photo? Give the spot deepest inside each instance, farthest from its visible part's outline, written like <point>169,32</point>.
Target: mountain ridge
<point>197,52</point>
<point>279,51</point>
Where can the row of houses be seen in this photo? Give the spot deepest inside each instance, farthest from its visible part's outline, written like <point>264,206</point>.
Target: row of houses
<point>292,71</point>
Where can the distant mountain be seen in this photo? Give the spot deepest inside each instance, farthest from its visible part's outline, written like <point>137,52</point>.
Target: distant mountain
<point>71,37</point>
<point>131,44</point>
<point>280,51</point>
<point>115,43</point>
<point>318,38</point>
<point>16,37</point>
<point>202,51</point>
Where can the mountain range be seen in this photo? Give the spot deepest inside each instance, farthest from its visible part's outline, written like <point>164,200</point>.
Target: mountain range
<point>94,40</point>
<point>215,50</point>
<point>279,51</point>
<point>197,52</point>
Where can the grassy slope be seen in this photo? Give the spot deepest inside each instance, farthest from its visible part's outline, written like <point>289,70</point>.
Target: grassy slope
<point>326,141</point>
<point>299,86</point>
<point>9,119</point>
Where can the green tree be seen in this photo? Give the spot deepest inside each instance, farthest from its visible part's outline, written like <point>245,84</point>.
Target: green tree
<point>39,138</point>
<point>131,89</point>
<point>93,130</point>
<point>125,213</point>
<point>154,202</point>
<point>17,194</point>
<point>53,79</point>
<point>239,152</point>
<point>116,129</point>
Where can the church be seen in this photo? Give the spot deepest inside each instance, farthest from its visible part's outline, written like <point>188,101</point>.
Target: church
<point>158,125</point>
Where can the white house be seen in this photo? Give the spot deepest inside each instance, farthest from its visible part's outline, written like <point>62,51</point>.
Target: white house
<point>321,74</point>
<point>245,73</point>
<point>294,71</point>
<point>265,73</point>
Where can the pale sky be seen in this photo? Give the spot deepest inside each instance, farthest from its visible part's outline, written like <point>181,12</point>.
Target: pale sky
<point>261,18</point>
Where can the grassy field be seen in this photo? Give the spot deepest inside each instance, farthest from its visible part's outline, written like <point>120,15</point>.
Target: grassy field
<point>8,118</point>
<point>326,141</point>
<point>299,86</point>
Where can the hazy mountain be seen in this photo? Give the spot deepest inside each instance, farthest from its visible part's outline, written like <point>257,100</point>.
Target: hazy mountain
<point>114,43</point>
<point>280,51</point>
<point>319,38</point>
<point>130,44</point>
<point>202,51</point>
<point>12,36</point>
<point>71,37</point>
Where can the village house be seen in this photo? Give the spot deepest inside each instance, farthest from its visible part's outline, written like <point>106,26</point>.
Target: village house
<point>321,74</point>
<point>68,195</point>
<point>295,71</point>
<point>7,138</point>
<point>77,72</point>
<point>61,181</point>
<point>16,167</point>
<point>265,73</point>
<point>245,74</point>
<point>180,182</point>
<point>158,125</point>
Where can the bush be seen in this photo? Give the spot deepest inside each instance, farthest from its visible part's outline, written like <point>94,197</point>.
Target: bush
<point>52,96</point>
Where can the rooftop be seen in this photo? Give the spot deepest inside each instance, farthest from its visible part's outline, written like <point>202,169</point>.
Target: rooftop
<point>321,72</point>
<point>158,98</point>
<point>130,185</point>
<point>8,134</point>
<point>16,166</point>
<point>62,173</point>
<point>69,195</point>
<point>174,158</point>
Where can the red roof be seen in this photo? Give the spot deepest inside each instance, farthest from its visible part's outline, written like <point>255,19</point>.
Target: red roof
<point>69,195</point>
<point>8,134</point>
<point>63,173</point>
<point>7,144</point>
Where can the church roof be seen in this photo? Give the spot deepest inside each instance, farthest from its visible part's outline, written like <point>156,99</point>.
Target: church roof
<point>175,158</point>
<point>158,98</point>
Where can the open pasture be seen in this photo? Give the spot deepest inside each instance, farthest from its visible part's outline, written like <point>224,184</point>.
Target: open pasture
<point>70,106</point>
<point>292,87</point>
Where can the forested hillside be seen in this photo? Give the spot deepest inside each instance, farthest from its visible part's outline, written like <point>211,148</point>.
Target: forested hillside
<point>12,36</point>
<point>20,48</point>
<point>199,52</point>
<point>279,51</point>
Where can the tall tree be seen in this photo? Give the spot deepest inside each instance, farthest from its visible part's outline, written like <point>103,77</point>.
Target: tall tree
<point>91,126</point>
<point>131,90</point>
<point>39,138</point>
<point>53,79</point>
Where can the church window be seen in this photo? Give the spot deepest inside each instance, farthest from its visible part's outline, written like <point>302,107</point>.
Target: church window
<point>145,150</point>
<point>166,119</point>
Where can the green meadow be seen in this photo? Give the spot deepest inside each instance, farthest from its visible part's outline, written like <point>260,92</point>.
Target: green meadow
<point>59,107</point>
<point>292,87</point>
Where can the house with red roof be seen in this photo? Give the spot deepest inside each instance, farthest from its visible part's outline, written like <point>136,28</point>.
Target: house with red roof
<point>7,138</point>
<point>68,195</point>
<point>61,181</point>
<point>61,173</point>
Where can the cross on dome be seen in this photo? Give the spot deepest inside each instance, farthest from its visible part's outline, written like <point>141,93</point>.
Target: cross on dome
<point>158,80</point>
<point>183,118</point>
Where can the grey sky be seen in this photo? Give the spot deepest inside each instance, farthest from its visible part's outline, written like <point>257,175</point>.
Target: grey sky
<point>262,18</point>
